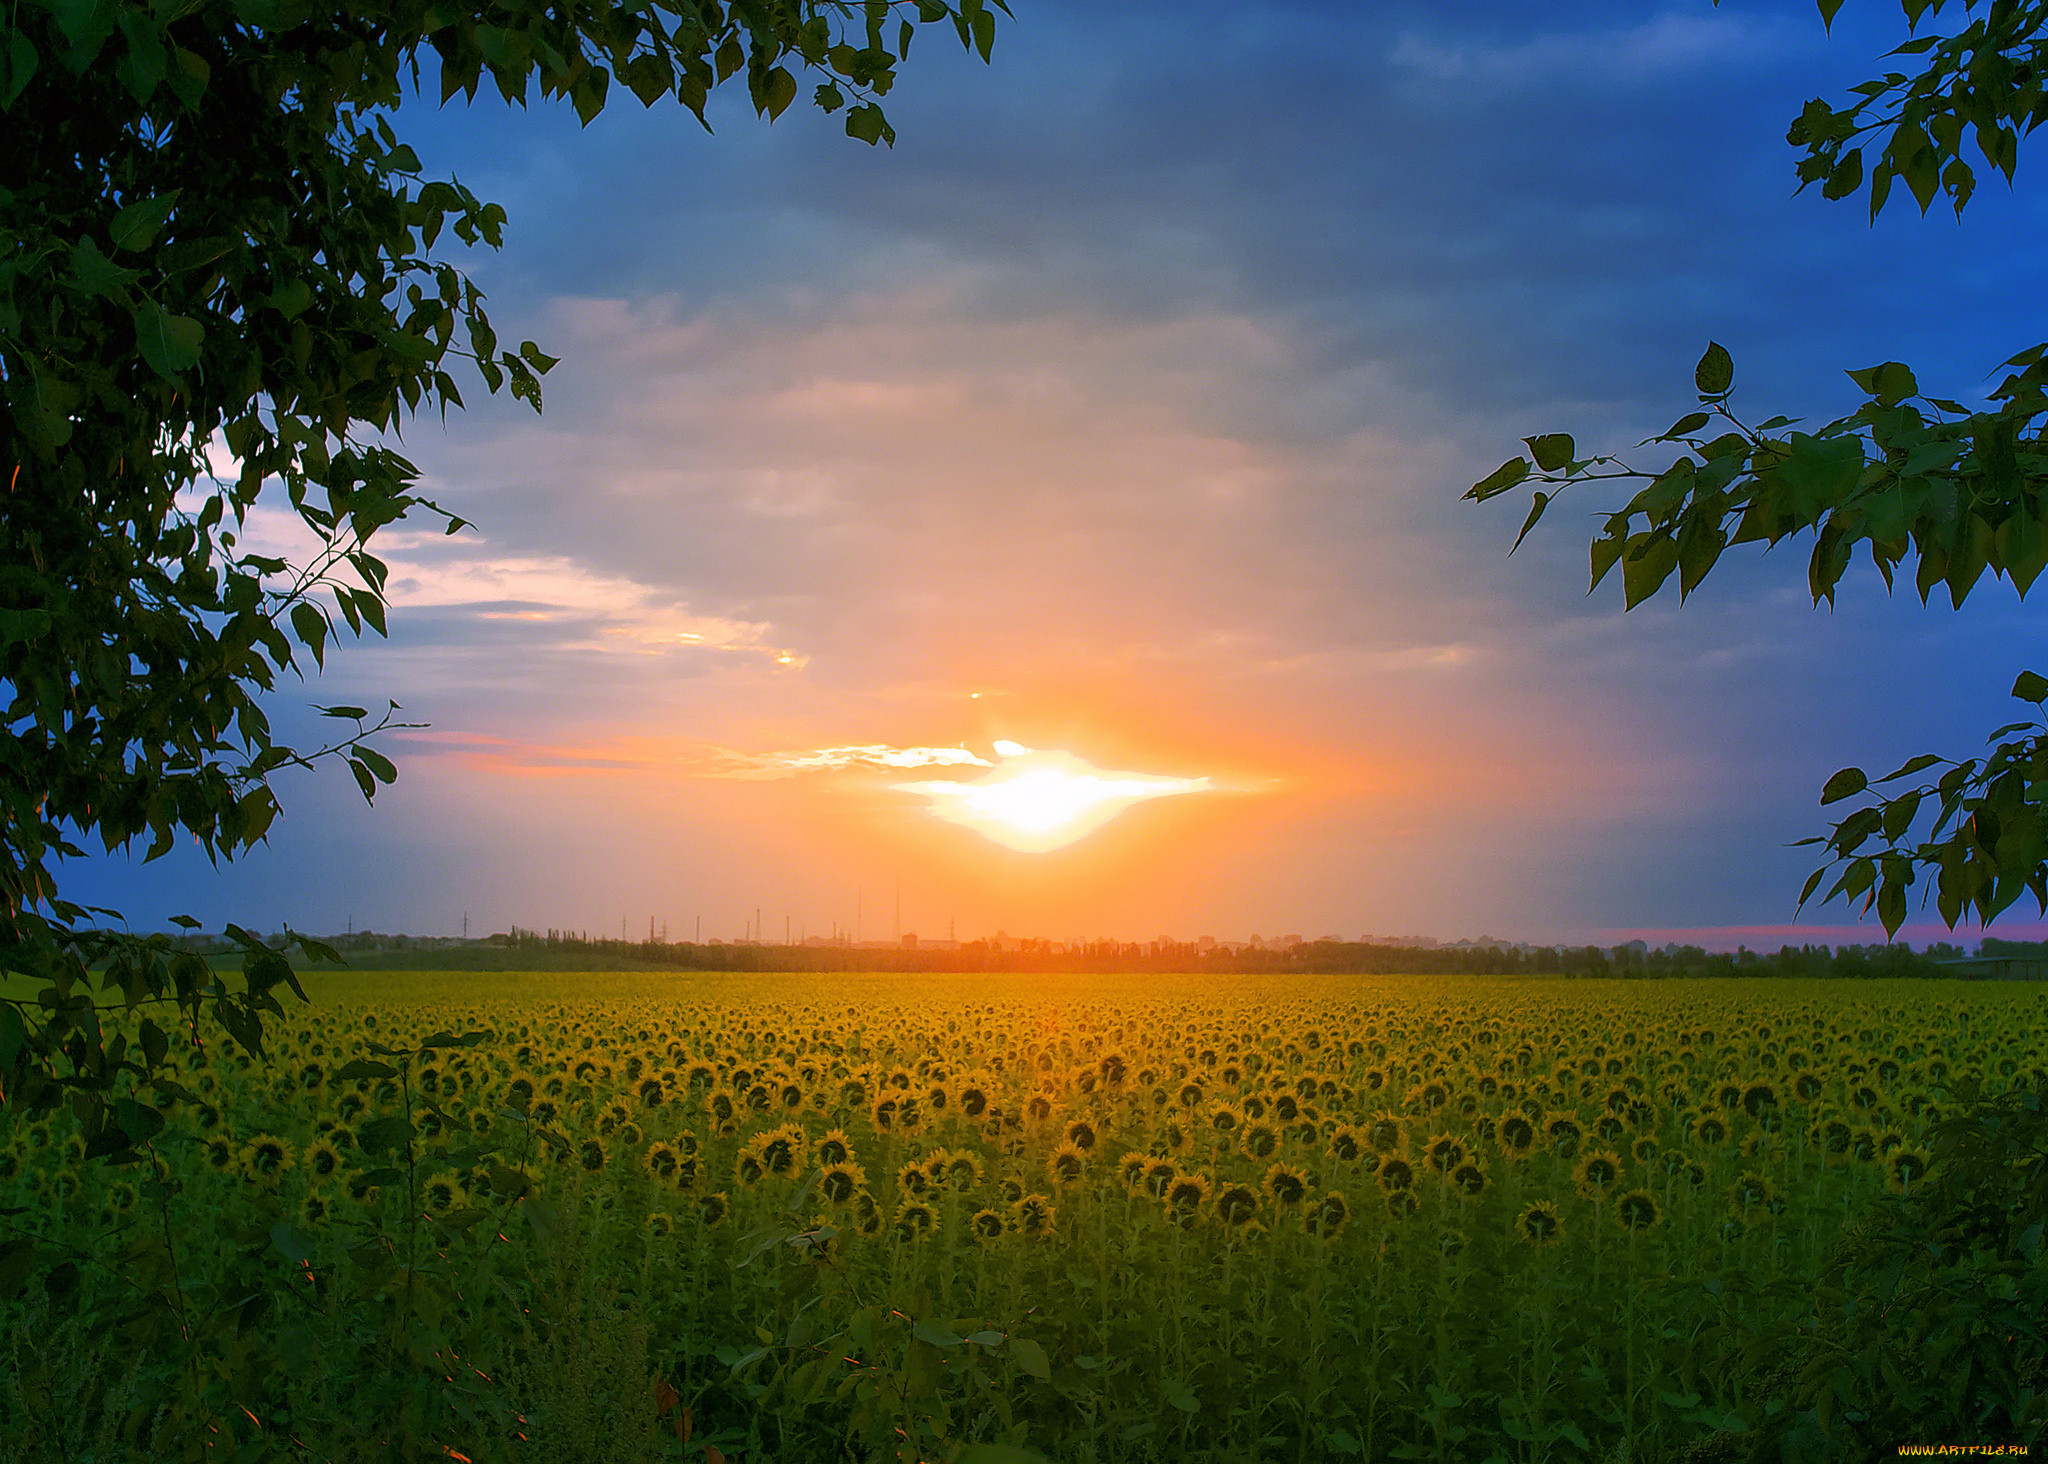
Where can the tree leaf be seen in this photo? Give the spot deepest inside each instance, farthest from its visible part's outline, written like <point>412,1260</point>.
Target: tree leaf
<point>1502,478</point>
<point>2031,687</point>
<point>1029,1356</point>
<point>135,226</point>
<point>1552,450</point>
<point>1715,372</point>
<point>1845,784</point>
<point>169,343</point>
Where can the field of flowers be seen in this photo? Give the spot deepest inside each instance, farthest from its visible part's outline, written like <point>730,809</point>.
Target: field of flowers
<point>813,1218</point>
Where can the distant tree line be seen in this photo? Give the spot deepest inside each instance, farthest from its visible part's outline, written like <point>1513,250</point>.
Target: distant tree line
<point>574,950</point>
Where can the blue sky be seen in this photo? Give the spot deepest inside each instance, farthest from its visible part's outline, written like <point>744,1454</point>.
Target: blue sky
<point>1123,409</point>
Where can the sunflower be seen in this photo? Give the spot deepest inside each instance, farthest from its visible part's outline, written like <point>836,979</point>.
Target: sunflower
<point>321,1160</point>
<point>1539,1224</point>
<point>1637,1210</point>
<point>660,1224</point>
<point>1469,1178</point>
<point>1401,1203</point>
<point>1287,1184</point>
<point>1905,1166</point>
<point>1750,1193</point>
<point>1515,1134</point>
<point>660,1161</point>
<point>1225,1118</point>
<point>1328,1215</point>
<point>1259,1139</point>
<point>1345,1144</point>
<point>1237,1204</point>
<point>315,1208</point>
<point>834,1148</point>
<point>963,1171</point>
<point>988,1226</point>
<point>593,1155</point>
<point>1444,1152</point>
<point>1383,1133</point>
<point>1709,1131</point>
<point>1158,1175</point>
<point>1186,1197</point>
<point>1035,1216</point>
<point>443,1193</point>
<point>713,1208</point>
<point>1081,1134</point>
<point>1596,1173</point>
<point>841,1181</point>
<point>1066,1163</point>
<point>913,1179</point>
<point>778,1149</point>
<point>266,1159</point>
<point>1010,1190</point>
<point>1396,1173</point>
<point>220,1155</point>
<point>1643,1150</point>
<point>1564,1132</point>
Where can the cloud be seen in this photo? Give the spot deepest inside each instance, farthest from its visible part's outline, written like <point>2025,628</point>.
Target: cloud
<point>729,764</point>
<point>1618,56</point>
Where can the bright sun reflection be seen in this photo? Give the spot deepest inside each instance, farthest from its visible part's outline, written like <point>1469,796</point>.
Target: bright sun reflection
<point>1035,801</point>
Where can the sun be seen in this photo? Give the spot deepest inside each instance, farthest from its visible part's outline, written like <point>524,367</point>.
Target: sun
<point>1035,801</point>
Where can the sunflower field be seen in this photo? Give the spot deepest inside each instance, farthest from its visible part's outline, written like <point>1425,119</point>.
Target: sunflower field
<point>813,1218</point>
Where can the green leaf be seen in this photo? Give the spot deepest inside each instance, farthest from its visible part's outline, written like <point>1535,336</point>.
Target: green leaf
<point>777,90</point>
<point>1536,508</point>
<point>1181,1396</point>
<point>1552,450</point>
<point>22,625</point>
<point>2031,687</point>
<point>98,275</point>
<point>135,226</point>
<point>1685,426</point>
<point>1845,784</point>
<point>1031,1357</point>
<point>13,1035</point>
<point>363,1067</point>
<point>1502,478</point>
<point>21,65</point>
<point>169,343</point>
<point>999,1454</point>
<point>935,1333</point>
<point>1715,372</point>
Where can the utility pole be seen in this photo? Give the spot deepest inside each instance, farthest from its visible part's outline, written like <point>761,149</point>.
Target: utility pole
<point>757,925</point>
<point>465,924</point>
<point>858,892</point>
<point>785,929</point>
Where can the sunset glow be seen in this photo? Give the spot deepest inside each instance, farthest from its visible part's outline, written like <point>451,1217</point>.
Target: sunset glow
<point>1038,801</point>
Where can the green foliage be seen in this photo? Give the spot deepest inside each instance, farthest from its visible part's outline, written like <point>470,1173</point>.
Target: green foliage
<point>1921,482</point>
<point>1928,1323</point>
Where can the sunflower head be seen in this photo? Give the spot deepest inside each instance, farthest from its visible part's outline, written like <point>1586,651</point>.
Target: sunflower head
<point>1515,1134</point>
<point>443,1193</point>
<point>1444,1152</point>
<point>1286,1184</point>
<point>1637,1210</point>
<point>914,1221</point>
<point>1396,1173</point>
<point>660,1160</point>
<point>1539,1224</point>
<point>1328,1215</point>
<point>1081,1134</point>
<point>592,1155</point>
<point>1596,1173</point>
<point>266,1158</point>
<point>1035,1215</point>
<point>1468,1178</point>
<point>988,1226</point>
<point>713,1208</point>
<point>1066,1163</point>
<point>913,1178</point>
<point>841,1181</point>
<point>1905,1166</point>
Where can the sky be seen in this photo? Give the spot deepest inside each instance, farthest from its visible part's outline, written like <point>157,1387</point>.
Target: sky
<point>1120,414</point>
